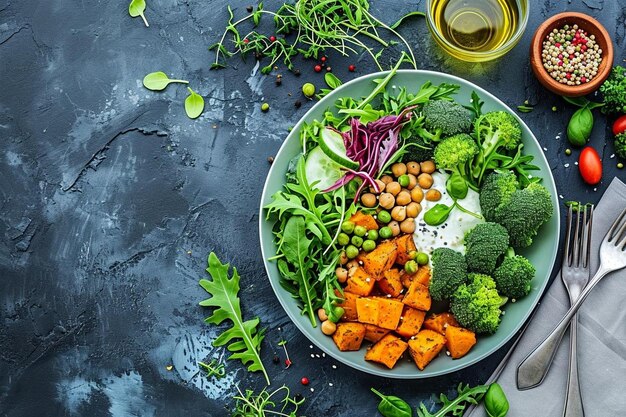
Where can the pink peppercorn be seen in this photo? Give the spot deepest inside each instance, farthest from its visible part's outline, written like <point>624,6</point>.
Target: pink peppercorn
<point>583,79</point>
<point>558,45</point>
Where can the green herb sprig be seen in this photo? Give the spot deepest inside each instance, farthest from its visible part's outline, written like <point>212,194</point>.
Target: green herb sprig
<point>244,338</point>
<point>213,368</point>
<point>264,404</point>
<point>137,8</point>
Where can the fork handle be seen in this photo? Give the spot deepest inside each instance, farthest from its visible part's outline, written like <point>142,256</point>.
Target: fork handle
<point>532,370</point>
<point>573,398</point>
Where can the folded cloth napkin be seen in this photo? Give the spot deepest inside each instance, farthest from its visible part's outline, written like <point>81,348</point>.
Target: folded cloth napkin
<point>601,337</point>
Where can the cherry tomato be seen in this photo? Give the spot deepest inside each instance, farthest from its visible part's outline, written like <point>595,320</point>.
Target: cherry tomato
<point>590,165</point>
<point>620,125</point>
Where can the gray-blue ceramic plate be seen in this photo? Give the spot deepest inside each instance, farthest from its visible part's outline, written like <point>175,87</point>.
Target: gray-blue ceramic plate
<point>542,253</point>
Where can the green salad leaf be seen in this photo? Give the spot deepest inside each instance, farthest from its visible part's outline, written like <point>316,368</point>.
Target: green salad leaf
<point>157,81</point>
<point>194,104</point>
<point>456,407</point>
<point>244,338</point>
<point>136,8</point>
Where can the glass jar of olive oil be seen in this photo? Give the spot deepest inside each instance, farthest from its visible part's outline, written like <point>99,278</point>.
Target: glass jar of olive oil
<point>477,30</point>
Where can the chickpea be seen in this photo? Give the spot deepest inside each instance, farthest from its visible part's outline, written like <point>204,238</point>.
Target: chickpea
<point>425,181</point>
<point>408,226</point>
<point>381,187</point>
<point>386,179</point>
<point>393,188</point>
<point>342,274</point>
<point>351,267</point>
<point>398,169</point>
<point>328,327</point>
<point>369,200</point>
<point>412,182</point>
<point>395,227</point>
<point>417,194</point>
<point>398,213</point>
<point>403,198</point>
<point>321,313</point>
<point>386,201</point>
<point>413,209</point>
<point>343,258</point>
<point>433,195</point>
<point>427,167</point>
<point>413,168</point>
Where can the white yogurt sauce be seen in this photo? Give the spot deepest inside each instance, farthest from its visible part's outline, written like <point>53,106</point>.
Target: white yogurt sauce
<point>451,233</point>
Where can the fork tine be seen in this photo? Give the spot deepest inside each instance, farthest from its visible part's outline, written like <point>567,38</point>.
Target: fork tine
<point>588,222</point>
<point>610,234</point>
<point>619,233</point>
<point>577,241</point>
<point>566,253</point>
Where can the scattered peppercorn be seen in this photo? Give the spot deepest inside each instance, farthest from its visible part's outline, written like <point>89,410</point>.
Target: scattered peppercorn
<point>298,397</point>
<point>351,68</point>
<point>270,159</point>
<point>279,80</point>
<point>249,9</point>
<point>304,380</point>
<point>258,55</point>
<point>329,69</point>
<point>620,165</point>
<point>568,151</point>
<point>272,38</point>
<point>276,359</point>
<point>296,72</point>
<point>265,107</point>
<point>317,68</point>
<point>297,104</point>
<point>323,59</point>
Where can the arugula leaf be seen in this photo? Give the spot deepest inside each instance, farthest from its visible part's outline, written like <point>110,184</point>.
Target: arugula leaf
<point>244,337</point>
<point>457,406</point>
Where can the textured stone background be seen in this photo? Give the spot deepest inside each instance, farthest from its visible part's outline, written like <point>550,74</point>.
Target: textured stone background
<point>111,198</point>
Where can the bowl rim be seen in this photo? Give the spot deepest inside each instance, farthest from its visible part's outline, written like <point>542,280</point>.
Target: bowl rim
<point>454,366</point>
<point>536,47</point>
<point>486,55</point>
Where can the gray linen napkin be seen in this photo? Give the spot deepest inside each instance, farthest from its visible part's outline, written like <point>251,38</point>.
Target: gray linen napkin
<point>601,337</point>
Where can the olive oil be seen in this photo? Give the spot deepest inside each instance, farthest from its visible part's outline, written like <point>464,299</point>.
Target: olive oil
<point>476,25</point>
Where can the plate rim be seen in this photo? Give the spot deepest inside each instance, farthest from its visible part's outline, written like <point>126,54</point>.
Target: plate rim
<point>387,373</point>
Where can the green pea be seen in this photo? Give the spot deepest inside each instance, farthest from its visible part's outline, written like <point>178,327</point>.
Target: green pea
<point>568,151</point>
<point>384,217</point>
<point>352,251</point>
<point>343,239</point>
<point>336,313</point>
<point>385,232</point>
<point>410,267</point>
<point>347,227</point>
<point>360,231</point>
<point>357,241</point>
<point>265,107</point>
<point>620,165</point>
<point>422,258</point>
<point>412,255</point>
<point>404,180</point>
<point>308,90</point>
<point>369,245</point>
<point>372,234</point>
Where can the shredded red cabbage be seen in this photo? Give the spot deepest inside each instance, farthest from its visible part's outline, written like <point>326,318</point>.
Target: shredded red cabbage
<point>371,145</point>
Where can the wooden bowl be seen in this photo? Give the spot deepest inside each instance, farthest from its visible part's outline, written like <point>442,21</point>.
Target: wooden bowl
<point>592,27</point>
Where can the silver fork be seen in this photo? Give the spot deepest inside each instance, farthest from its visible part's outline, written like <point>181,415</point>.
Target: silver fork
<point>575,275</point>
<point>532,370</point>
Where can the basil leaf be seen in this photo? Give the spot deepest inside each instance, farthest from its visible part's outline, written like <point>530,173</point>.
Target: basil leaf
<point>580,126</point>
<point>194,104</point>
<point>157,81</point>
<point>136,8</point>
<point>457,187</point>
<point>391,406</point>
<point>496,403</point>
<point>331,80</point>
<point>437,214</point>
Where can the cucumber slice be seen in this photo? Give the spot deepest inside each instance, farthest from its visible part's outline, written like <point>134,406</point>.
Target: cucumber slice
<point>319,167</point>
<point>332,144</point>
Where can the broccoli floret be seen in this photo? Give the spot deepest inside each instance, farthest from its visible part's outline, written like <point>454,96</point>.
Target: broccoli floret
<point>444,118</point>
<point>620,145</point>
<point>485,244</point>
<point>614,92</point>
<point>496,191</point>
<point>417,150</point>
<point>524,213</point>
<point>453,153</point>
<point>476,305</point>
<point>449,271</point>
<point>514,275</point>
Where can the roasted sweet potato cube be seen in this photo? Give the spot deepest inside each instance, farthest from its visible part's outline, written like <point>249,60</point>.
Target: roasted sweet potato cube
<point>439,322</point>
<point>422,275</point>
<point>406,245</point>
<point>367,310</point>
<point>387,351</point>
<point>349,305</point>
<point>365,220</point>
<point>425,346</point>
<point>417,296</point>
<point>459,341</point>
<point>390,283</point>
<point>360,282</point>
<point>349,336</point>
<point>411,322</point>
<point>374,333</point>
<point>380,259</point>
<point>389,312</point>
